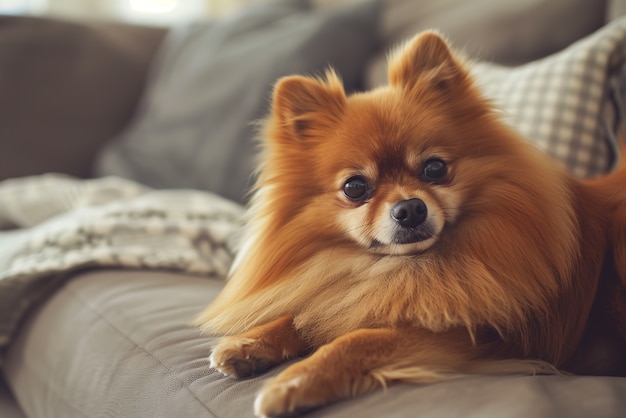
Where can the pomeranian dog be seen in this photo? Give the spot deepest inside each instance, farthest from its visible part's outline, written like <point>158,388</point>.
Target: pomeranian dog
<point>408,234</point>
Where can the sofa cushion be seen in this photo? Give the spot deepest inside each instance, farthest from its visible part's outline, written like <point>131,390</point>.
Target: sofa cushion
<point>8,407</point>
<point>507,32</point>
<point>213,80</point>
<point>65,89</point>
<point>118,343</point>
<point>567,103</point>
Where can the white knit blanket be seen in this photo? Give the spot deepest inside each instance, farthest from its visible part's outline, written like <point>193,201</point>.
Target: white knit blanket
<point>53,225</point>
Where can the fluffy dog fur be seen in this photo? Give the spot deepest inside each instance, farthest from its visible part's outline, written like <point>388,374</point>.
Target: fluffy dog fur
<point>517,268</point>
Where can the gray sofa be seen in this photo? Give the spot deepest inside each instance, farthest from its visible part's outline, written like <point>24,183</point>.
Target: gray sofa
<point>92,99</point>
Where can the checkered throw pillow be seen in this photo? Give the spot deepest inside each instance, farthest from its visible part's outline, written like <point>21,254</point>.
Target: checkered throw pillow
<point>568,103</point>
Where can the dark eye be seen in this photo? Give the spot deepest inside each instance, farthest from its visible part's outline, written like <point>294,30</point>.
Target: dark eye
<point>356,188</point>
<point>434,170</point>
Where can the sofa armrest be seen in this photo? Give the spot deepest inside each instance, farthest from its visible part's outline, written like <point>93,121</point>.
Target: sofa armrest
<point>66,88</point>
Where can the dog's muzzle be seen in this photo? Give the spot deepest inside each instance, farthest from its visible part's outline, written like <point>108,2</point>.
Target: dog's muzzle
<point>409,213</point>
<point>411,218</point>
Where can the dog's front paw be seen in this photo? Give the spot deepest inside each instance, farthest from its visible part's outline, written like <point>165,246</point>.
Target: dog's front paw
<point>326,376</point>
<point>301,387</point>
<point>283,398</point>
<point>258,349</point>
<point>241,357</point>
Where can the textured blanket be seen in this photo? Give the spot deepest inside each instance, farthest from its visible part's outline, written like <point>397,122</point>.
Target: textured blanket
<point>53,225</point>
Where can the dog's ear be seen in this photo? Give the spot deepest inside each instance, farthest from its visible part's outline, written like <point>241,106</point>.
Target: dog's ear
<point>425,57</point>
<point>306,107</point>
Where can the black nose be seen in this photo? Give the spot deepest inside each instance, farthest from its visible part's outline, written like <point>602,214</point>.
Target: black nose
<point>409,213</point>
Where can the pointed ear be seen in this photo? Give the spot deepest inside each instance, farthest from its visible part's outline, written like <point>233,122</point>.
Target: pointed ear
<point>307,107</point>
<point>425,57</point>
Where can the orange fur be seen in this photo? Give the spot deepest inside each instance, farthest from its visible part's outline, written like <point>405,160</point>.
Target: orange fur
<point>505,282</point>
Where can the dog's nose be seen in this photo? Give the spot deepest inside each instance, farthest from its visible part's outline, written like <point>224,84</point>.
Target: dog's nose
<point>409,213</point>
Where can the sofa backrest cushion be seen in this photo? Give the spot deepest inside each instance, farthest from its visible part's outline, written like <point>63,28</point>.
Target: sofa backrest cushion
<point>212,81</point>
<point>65,89</point>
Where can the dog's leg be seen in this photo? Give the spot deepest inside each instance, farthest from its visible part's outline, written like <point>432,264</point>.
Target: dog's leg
<point>361,361</point>
<point>366,359</point>
<point>258,349</point>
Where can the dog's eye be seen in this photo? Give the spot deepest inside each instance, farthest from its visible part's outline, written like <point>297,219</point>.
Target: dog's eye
<point>434,170</point>
<point>356,188</point>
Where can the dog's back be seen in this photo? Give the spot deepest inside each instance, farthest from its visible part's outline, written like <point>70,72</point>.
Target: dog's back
<point>603,348</point>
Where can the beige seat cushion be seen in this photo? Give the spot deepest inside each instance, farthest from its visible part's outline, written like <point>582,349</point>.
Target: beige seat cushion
<point>117,344</point>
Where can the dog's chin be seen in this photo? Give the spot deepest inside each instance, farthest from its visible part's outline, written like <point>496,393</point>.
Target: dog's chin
<point>392,239</point>
<point>402,245</point>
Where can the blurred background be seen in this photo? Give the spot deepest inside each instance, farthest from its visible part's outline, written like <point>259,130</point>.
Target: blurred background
<point>147,12</point>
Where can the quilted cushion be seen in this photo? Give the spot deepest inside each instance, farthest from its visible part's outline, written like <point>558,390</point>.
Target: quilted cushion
<point>567,103</point>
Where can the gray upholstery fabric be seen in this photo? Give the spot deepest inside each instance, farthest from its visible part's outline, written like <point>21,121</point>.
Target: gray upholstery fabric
<point>8,407</point>
<point>118,344</point>
<point>507,32</point>
<point>65,89</point>
<point>213,80</point>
